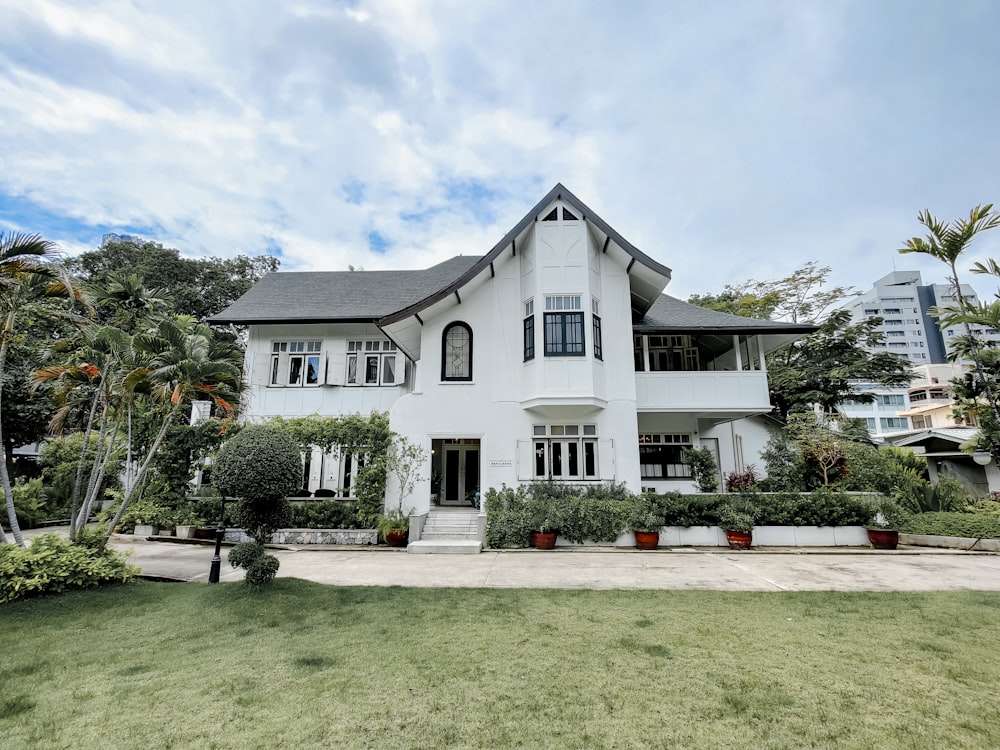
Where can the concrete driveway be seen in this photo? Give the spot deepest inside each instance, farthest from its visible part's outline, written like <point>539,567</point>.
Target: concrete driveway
<point>600,568</point>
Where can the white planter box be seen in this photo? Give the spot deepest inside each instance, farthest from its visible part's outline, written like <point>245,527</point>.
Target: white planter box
<point>144,529</point>
<point>186,532</point>
<point>700,536</point>
<point>951,542</point>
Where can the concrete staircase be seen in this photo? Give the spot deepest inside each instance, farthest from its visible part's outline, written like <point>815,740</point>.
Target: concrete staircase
<point>449,531</point>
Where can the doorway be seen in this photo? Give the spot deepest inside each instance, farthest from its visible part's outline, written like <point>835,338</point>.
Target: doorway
<point>459,471</point>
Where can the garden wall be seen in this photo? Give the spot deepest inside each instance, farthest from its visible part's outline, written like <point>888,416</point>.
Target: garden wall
<point>311,536</point>
<point>763,536</point>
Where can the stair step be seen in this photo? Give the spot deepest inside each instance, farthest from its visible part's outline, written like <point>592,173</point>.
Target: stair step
<point>443,535</point>
<point>445,547</point>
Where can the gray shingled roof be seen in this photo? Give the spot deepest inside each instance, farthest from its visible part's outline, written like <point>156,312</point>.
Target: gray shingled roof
<point>671,314</point>
<point>339,295</point>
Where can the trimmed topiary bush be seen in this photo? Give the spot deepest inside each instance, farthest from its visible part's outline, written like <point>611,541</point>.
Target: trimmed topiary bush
<point>261,466</point>
<point>258,462</point>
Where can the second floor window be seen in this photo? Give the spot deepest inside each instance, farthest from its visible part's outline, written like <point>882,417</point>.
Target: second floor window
<point>371,363</point>
<point>529,330</point>
<point>564,326</point>
<point>456,352</point>
<point>598,345</point>
<point>295,363</point>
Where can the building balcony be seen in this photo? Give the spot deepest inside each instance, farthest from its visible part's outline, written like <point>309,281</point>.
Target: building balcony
<point>709,395</point>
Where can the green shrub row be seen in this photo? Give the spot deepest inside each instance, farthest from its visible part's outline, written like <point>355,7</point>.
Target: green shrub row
<point>976,525</point>
<point>822,507</point>
<point>52,565</point>
<point>325,514</point>
<point>603,513</point>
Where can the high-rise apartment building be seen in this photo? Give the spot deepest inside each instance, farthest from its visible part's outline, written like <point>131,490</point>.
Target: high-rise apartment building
<point>904,304</point>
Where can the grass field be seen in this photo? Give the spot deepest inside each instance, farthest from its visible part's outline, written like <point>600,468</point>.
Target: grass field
<point>308,666</point>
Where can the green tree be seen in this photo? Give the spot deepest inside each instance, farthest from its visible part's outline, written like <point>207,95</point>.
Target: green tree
<point>200,287</point>
<point>819,368</point>
<point>800,297</point>
<point>947,242</point>
<point>28,276</point>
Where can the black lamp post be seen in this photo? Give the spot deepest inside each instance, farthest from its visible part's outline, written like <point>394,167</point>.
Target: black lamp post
<point>220,531</point>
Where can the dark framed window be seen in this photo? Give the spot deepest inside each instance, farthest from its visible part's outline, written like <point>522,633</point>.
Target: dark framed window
<point>564,334</point>
<point>529,338</point>
<point>662,456</point>
<point>598,348</point>
<point>456,352</point>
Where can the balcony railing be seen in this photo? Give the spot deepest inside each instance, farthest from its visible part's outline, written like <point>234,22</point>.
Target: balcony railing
<point>703,392</point>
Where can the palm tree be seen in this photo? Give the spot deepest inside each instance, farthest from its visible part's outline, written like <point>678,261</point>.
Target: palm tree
<point>28,276</point>
<point>946,242</point>
<point>178,359</point>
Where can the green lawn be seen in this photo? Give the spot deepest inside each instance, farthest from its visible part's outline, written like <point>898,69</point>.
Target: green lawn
<point>308,666</point>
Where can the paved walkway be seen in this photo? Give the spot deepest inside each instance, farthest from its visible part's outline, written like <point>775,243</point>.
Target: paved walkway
<point>600,568</point>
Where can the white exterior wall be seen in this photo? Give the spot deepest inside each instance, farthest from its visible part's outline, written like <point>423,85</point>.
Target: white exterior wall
<point>508,396</point>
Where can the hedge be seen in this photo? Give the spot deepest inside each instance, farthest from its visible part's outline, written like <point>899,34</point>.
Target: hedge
<point>324,514</point>
<point>822,507</point>
<point>975,525</point>
<point>52,565</point>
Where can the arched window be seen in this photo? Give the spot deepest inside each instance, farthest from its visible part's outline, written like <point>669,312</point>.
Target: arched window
<point>456,352</point>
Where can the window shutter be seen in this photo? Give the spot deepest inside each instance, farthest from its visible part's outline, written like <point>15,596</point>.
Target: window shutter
<point>336,369</point>
<point>606,459</point>
<point>400,369</point>
<point>283,360</point>
<point>525,460</point>
<point>261,371</point>
<point>315,468</point>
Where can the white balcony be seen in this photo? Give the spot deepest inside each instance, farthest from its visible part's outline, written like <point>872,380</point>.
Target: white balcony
<point>720,395</point>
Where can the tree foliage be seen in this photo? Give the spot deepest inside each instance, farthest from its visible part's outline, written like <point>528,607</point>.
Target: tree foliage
<point>29,278</point>
<point>258,463</point>
<point>819,368</point>
<point>200,287</point>
<point>800,297</point>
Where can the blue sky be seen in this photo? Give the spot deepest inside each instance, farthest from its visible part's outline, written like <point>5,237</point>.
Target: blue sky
<point>728,140</point>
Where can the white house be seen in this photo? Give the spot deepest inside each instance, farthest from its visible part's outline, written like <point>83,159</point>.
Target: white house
<point>555,355</point>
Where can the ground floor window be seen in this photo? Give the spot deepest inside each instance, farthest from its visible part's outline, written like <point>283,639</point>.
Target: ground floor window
<point>661,456</point>
<point>565,451</point>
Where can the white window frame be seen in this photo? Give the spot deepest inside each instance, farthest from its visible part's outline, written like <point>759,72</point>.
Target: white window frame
<point>556,447</point>
<point>372,362</point>
<point>290,363</point>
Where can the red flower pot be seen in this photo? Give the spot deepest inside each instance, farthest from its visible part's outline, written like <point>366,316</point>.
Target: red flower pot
<point>883,538</point>
<point>396,538</point>
<point>545,539</point>
<point>739,539</point>
<point>648,540</point>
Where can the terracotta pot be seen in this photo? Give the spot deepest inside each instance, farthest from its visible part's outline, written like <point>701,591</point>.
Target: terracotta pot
<point>396,538</point>
<point>739,539</point>
<point>649,540</point>
<point>883,538</point>
<point>545,539</point>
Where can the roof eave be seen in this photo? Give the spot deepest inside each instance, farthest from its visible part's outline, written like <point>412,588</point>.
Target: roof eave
<point>559,192</point>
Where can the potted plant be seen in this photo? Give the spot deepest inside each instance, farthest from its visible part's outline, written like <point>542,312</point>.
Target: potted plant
<point>186,522</point>
<point>394,526</point>
<point>646,522</point>
<point>883,530</point>
<point>737,519</point>
<point>545,535</point>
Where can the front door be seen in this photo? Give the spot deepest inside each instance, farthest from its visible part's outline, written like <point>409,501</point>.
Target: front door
<point>460,474</point>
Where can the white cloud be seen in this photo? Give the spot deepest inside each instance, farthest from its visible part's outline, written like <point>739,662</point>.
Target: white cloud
<point>727,140</point>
